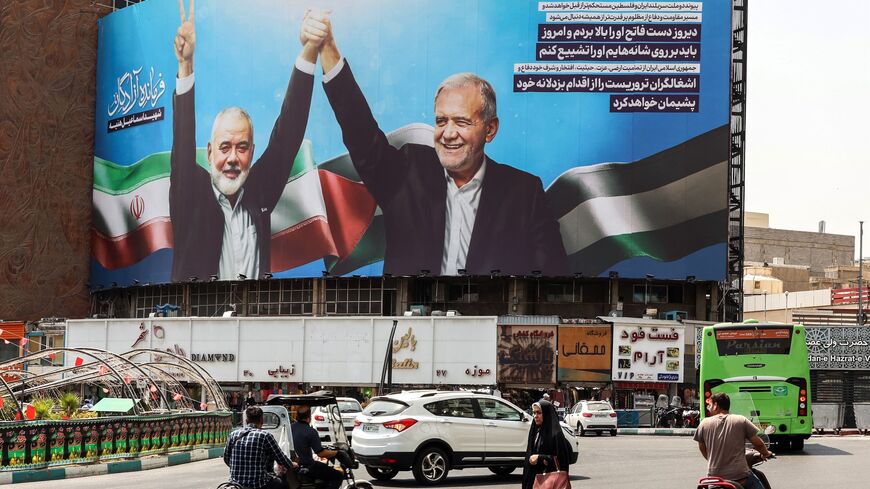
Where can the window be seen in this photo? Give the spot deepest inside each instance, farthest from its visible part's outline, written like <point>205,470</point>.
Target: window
<point>492,409</point>
<point>384,408</point>
<point>281,297</point>
<point>464,292</point>
<point>650,294</point>
<point>358,296</point>
<point>565,292</point>
<point>270,421</point>
<point>148,297</point>
<point>456,408</point>
<point>211,299</point>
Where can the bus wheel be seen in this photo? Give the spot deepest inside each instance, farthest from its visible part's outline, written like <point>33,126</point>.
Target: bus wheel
<point>797,444</point>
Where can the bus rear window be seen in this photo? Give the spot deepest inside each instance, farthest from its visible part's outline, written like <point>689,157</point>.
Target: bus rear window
<point>751,341</point>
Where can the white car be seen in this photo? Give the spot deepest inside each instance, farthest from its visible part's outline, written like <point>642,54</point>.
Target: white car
<point>433,432</point>
<point>597,416</point>
<point>349,408</point>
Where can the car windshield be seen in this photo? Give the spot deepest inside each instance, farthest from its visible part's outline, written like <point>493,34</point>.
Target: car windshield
<point>383,407</point>
<point>349,406</point>
<point>598,406</point>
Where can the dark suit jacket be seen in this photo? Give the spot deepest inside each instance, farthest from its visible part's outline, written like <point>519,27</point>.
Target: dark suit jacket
<point>197,220</point>
<point>514,230</point>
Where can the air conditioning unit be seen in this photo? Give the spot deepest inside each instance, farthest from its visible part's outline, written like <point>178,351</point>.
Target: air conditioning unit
<point>419,310</point>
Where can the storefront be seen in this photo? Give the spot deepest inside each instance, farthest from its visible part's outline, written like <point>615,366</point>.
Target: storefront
<point>647,359</point>
<point>260,356</point>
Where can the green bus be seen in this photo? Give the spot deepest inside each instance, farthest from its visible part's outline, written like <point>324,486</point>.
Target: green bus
<point>765,365</point>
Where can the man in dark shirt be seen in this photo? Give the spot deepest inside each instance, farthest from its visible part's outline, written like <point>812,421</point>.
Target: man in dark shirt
<point>305,442</point>
<point>252,452</point>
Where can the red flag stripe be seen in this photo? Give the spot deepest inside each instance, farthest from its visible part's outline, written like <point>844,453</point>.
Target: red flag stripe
<point>125,250</point>
<point>301,243</point>
<point>350,209</point>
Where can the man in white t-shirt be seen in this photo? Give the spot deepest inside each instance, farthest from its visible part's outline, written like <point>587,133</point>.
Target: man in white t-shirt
<point>722,439</point>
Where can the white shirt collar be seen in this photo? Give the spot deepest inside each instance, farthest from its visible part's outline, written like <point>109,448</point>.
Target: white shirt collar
<point>476,179</point>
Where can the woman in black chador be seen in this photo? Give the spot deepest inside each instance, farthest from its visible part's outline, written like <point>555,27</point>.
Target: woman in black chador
<point>546,441</point>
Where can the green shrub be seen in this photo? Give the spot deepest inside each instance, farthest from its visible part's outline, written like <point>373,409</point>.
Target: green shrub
<point>69,403</point>
<point>44,407</point>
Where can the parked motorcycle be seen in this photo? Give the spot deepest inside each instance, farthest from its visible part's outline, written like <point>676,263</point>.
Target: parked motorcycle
<point>669,417</point>
<point>691,418</point>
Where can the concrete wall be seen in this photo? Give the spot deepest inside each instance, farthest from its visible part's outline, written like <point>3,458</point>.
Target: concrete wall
<point>814,250</point>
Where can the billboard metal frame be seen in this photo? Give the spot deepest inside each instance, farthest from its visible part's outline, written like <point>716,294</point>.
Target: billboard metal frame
<point>733,287</point>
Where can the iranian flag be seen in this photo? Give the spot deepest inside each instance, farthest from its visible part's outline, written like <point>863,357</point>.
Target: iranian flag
<point>324,212</point>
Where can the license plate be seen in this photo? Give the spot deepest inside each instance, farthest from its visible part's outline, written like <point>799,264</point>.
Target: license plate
<point>369,428</point>
<point>600,415</point>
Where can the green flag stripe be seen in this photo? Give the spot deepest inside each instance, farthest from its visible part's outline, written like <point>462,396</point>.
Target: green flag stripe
<point>664,245</point>
<point>115,179</point>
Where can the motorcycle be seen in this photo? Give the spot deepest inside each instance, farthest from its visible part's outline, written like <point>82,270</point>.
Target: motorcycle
<point>754,459</point>
<point>743,404</point>
<point>670,417</point>
<point>279,409</point>
<point>691,418</point>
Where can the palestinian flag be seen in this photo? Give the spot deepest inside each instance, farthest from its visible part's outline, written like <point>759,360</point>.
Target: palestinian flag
<point>324,212</point>
<point>666,206</point>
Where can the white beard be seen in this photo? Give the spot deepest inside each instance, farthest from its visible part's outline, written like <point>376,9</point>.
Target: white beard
<point>226,185</point>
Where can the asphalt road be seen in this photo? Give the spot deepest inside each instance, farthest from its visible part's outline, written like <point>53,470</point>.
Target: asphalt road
<point>615,463</point>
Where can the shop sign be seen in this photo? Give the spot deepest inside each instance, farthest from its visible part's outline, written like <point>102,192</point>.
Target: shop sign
<point>838,348</point>
<point>281,372</point>
<point>647,354</point>
<point>526,354</point>
<point>477,372</point>
<point>213,357</point>
<point>584,353</point>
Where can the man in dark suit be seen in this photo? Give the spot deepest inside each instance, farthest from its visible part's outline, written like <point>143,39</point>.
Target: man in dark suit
<point>221,218</point>
<point>449,207</point>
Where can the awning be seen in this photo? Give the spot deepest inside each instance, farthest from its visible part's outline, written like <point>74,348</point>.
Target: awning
<point>113,405</point>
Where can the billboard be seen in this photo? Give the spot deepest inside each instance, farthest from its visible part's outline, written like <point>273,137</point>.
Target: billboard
<point>584,354</point>
<point>607,149</point>
<point>526,355</point>
<point>643,353</point>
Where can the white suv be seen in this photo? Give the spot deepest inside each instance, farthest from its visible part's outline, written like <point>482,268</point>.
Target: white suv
<point>349,409</point>
<point>597,416</point>
<point>432,432</point>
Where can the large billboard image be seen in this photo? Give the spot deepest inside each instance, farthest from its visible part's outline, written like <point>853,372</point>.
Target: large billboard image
<point>456,137</point>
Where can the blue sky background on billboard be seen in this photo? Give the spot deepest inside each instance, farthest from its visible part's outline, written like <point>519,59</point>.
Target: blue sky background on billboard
<point>808,82</point>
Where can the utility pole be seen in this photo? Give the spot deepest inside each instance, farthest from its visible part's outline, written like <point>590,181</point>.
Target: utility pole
<point>860,272</point>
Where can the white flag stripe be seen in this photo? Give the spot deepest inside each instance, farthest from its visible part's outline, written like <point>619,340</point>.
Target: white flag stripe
<point>301,199</point>
<point>113,215</point>
<point>694,196</point>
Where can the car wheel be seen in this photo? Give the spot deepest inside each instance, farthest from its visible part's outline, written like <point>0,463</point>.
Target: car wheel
<point>430,468</point>
<point>381,474</point>
<point>502,470</point>
<point>580,429</point>
<point>797,444</point>
<point>612,432</point>
<point>360,485</point>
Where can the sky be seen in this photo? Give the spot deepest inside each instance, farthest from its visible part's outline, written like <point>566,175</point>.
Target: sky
<point>808,115</point>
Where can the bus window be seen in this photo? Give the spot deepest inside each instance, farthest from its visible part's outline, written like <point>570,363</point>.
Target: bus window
<point>751,341</point>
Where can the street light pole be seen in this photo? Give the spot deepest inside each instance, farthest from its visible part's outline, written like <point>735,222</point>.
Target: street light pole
<point>860,272</point>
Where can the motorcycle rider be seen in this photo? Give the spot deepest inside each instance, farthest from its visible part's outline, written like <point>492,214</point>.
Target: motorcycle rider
<point>721,439</point>
<point>252,452</point>
<point>305,442</point>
